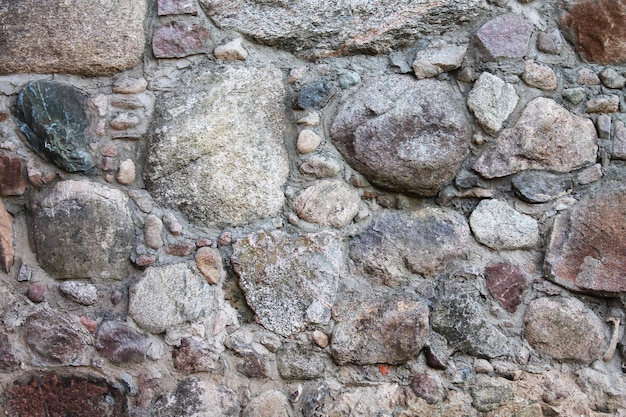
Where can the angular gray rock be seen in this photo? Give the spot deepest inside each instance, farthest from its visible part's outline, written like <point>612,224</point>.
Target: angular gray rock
<point>52,117</point>
<point>216,152</point>
<point>317,29</point>
<point>564,329</point>
<point>492,101</point>
<point>289,280</point>
<point>498,225</point>
<point>166,296</point>
<point>546,137</point>
<point>541,187</point>
<point>434,60</point>
<point>422,242</point>
<point>368,330</point>
<point>100,236</point>
<point>60,37</point>
<point>296,361</point>
<point>619,141</point>
<point>328,203</point>
<point>404,135</point>
<point>195,397</point>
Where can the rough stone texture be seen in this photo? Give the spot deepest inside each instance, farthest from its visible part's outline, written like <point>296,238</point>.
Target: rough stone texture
<point>57,394</point>
<point>7,250</point>
<point>121,344</point>
<point>461,320</point>
<point>546,136</point>
<point>587,76</point>
<point>433,61</point>
<point>491,101</point>
<point>490,397</point>
<point>58,37</point>
<point>99,239</point>
<point>404,135</point>
<point>167,7</point>
<point>369,330</point>
<point>209,262</point>
<point>574,95</point>
<point>220,156</point>
<point>36,293</point>
<point>596,28</point>
<point>603,104</point>
<point>506,36</point>
<point>166,296</point>
<point>328,203</point>
<point>194,397</point>
<point>550,42</point>
<point>180,39</point>
<point>497,225</point>
<point>541,187</point>
<point>194,356</point>
<point>52,118</point>
<point>507,283</point>
<point>79,292</point>
<point>53,340</point>
<point>308,141</point>
<point>268,404</point>
<point>564,329</point>
<point>8,361</point>
<point>428,387</point>
<point>314,95</point>
<point>612,79</point>
<point>320,167</point>
<point>539,76</point>
<point>12,182</point>
<point>317,29</point>
<point>231,51</point>
<point>619,141</point>
<point>153,228</point>
<point>422,242</point>
<point>288,280</point>
<point>296,361</point>
<point>587,244</point>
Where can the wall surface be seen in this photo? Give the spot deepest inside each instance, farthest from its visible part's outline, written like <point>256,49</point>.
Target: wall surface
<point>312,208</point>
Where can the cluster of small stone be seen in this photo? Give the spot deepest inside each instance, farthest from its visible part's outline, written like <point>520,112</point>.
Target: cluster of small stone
<point>236,231</point>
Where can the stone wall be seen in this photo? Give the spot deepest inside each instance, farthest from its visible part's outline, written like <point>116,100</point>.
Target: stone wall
<point>312,208</point>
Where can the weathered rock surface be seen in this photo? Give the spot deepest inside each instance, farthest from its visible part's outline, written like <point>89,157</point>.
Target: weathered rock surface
<point>498,225</point>
<point>369,330</point>
<point>79,292</point>
<point>179,39</point>
<point>491,101</point>
<point>596,28</point>
<point>194,397</point>
<point>8,361</point>
<point>328,203</point>
<point>541,187</point>
<point>209,262</point>
<point>99,239</point>
<point>217,152</point>
<point>166,296</point>
<point>120,343</point>
<point>296,361</point>
<point>564,329</point>
<point>11,176</point>
<point>318,29</point>
<point>587,244</point>
<point>404,135</point>
<point>433,61</point>
<point>53,340</point>
<point>7,250</point>
<point>507,283</point>
<point>422,242</point>
<point>194,356</point>
<point>57,394</point>
<point>545,137</point>
<point>289,280</point>
<point>52,118</point>
<point>539,76</point>
<point>619,141</point>
<point>489,397</point>
<point>59,37</point>
<point>268,404</point>
<point>506,36</point>
<point>167,7</point>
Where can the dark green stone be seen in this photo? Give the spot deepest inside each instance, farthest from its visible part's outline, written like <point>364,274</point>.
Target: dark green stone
<point>52,118</point>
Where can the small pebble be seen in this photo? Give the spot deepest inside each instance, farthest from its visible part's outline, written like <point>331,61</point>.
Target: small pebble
<point>79,292</point>
<point>203,241</point>
<point>612,79</point>
<point>116,296</point>
<point>25,273</point>
<point>574,95</point>
<point>181,248</point>
<point>90,324</point>
<point>603,125</point>
<point>296,74</point>
<point>539,76</point>
<point>308,141</point>
<point>590,174</point>
<point>173,225</point>
<point>126,173</point>
<point>293,219</point>
<point>586,76</point>
<point>36,293</point>
<point>152,231</point>
<point>145,260</point>
<point>349,79</point>
<point>129,85</point>
<point>100,103</point>
<point>209,262</point>
<point>603,104</point>
<point>482,366</point>
<point>311,119</point>
<point>123,121</point>
<point>550,42</point>
<point>225,239</point>
<point>320,338</point>
<point>231,51</point>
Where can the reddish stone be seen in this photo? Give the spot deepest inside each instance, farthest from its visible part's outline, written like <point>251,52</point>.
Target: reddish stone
<point>90,324</point>
<point>587,245</point>
<point>52,340</point>
<point>209,262</point>
<point>8,361</point>
<point>181,248</point>
<point>426,387</point>
<point>598,29</point>
<point>166,7</point>
<point>59,395</point>
<point>36,293</point>
<point>121,344</point>
<point>194,356</point>
<point>180,39</point>
<point>506,36</point>
<point>507,283</point>
<point>145,260</point>
<point>11,179</point>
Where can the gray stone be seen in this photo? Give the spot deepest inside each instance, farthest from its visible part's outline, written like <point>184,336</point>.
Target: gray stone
<point>497,225</point>
<point>152,230</point>
<point>53,340</point>
<point>433,61</point>
<point>574,95</point>
<point>541,187</point>
<point>619,141</point>
<point>167,296</point>
<point>179,39</point>
<point>99,239</point>
<point>220,157</point>
<point>288,280</point>
<point>268,404</point>
<point>545,137</point>
<point>52,118</point>
<point>348,79</point>
<point>370,330</point>
<point>491,101</point>
<point>490,397</point>
<point>462,321</point>
<point>61,38</point>
<point>320,167</point>
<point>194,397</point>
<point>79,292</point>
<point>603,124</point>
<point>168,7</point>
<point>550,42</point>
<point>8,361</point>
<point>120,343</point>
<point>328,203</point>
<point>603,104</point>
<point>404,135</point>
<point>539,76</point>
<point>296,361</point>
<point>590,174</point>
<point>564,329</point>
<point>314,95</point>
<point>421,242</point>
<point>612,79</point>
<point>316,29</point>
<point>506,36</point>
